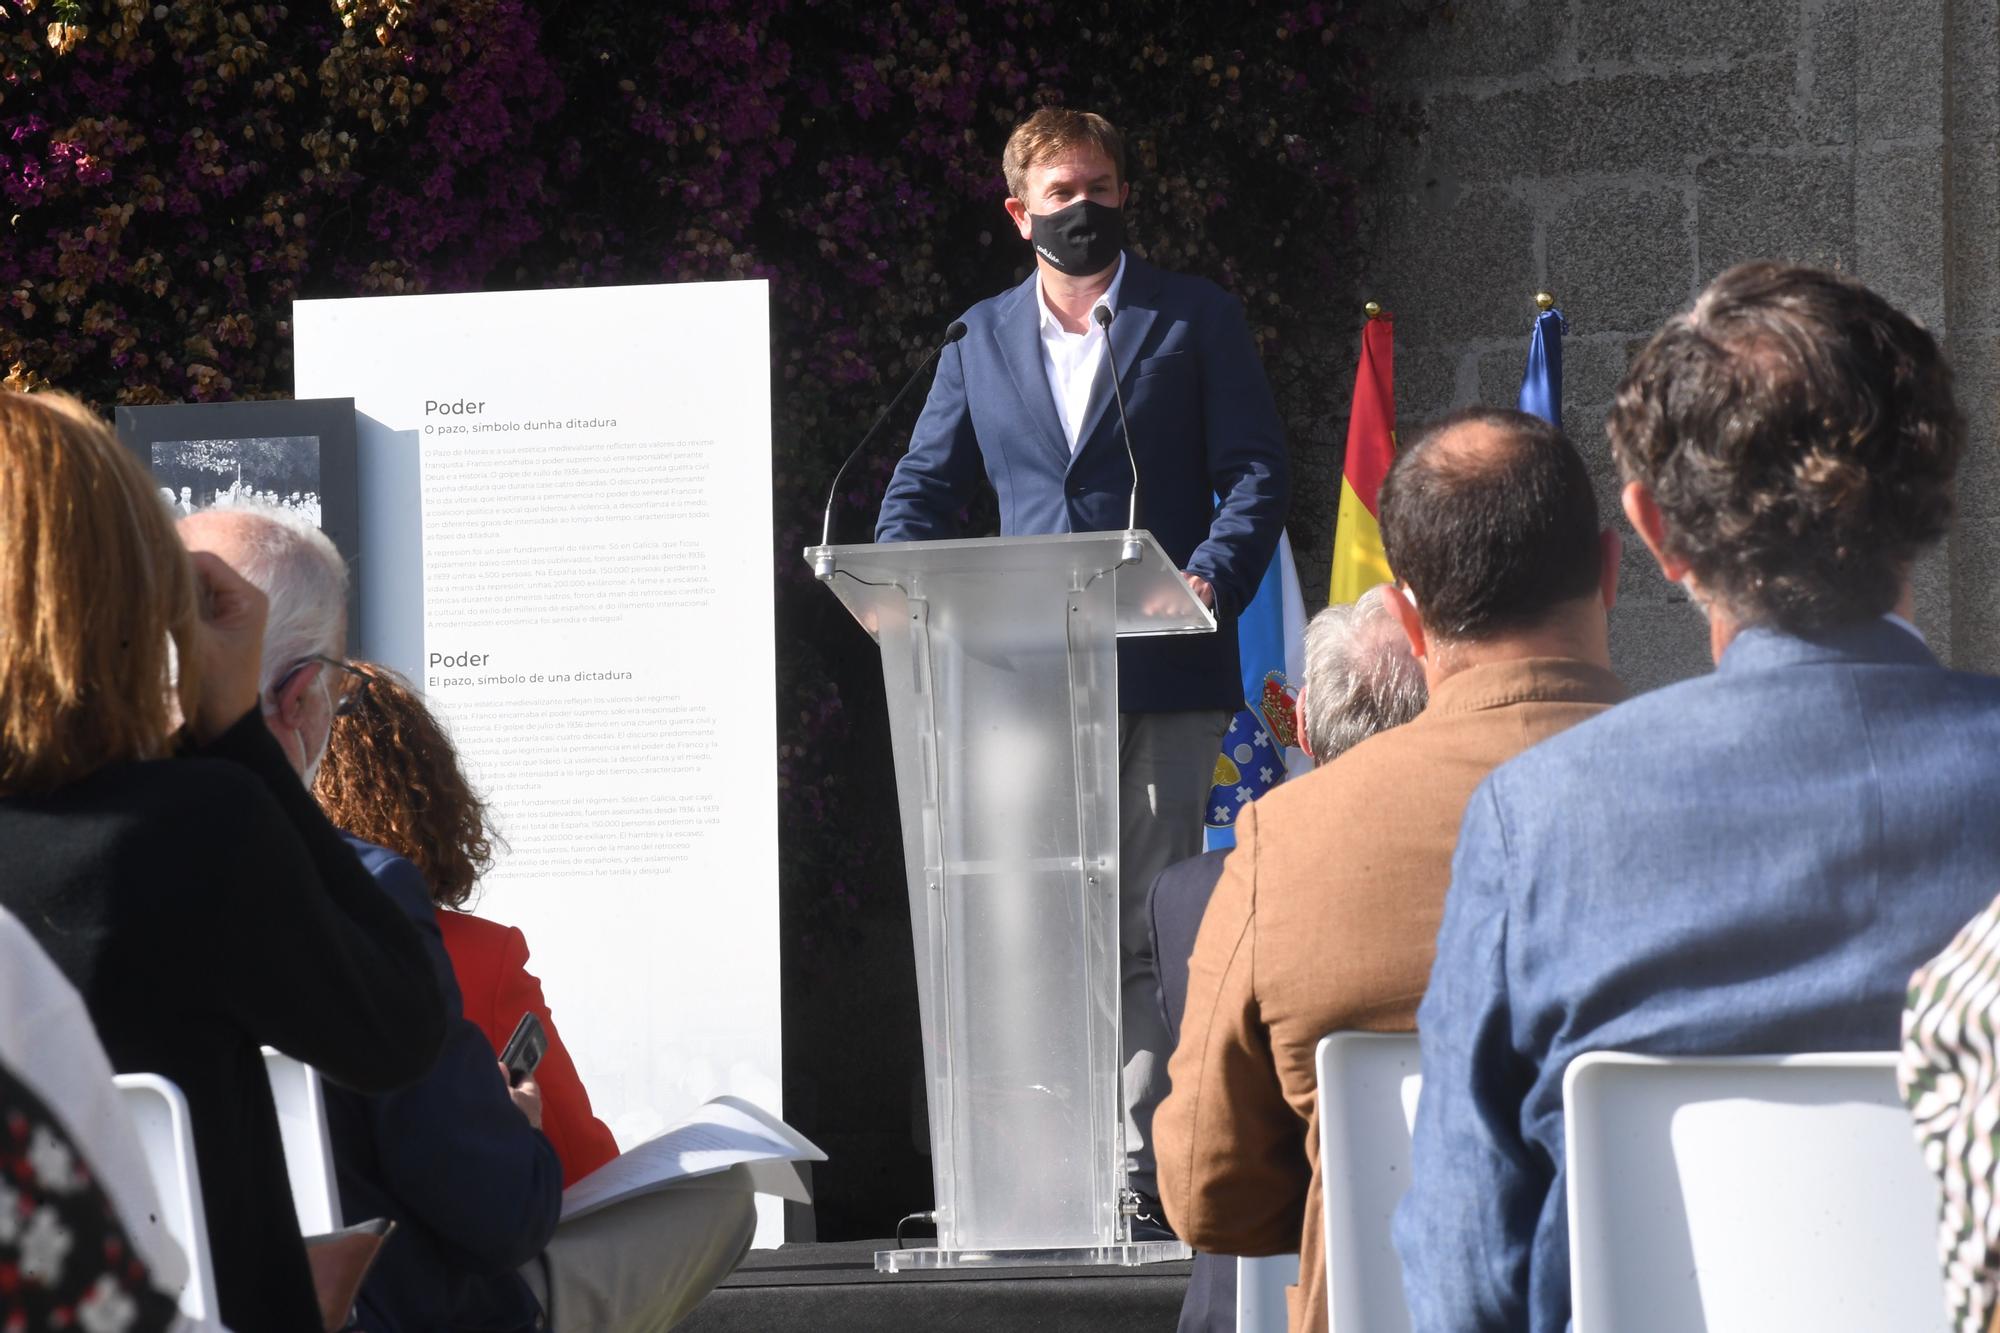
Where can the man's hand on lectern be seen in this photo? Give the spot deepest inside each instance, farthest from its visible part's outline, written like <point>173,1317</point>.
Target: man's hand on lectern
<point>1201,587</point>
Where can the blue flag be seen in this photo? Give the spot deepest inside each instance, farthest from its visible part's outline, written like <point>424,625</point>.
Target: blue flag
<point>1542,385</point>
<point>1270,636</point>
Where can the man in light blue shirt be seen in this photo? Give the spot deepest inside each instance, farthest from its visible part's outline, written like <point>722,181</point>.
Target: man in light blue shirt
<point>1752,861</point>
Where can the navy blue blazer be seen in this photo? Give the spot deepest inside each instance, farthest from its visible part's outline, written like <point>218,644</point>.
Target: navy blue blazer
<point>1751,862</point>
<point>1211,451</point>
<point>476,1191</point>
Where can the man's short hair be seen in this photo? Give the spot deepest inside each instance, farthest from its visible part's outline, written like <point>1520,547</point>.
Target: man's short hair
<point>300,572</point>
<point>1799,434</point>
<point>1490,534</point>
<point>1055,132</point>
<point>1361,676</point>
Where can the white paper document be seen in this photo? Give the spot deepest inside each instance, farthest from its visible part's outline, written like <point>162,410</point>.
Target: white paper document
<point>725,1133</point>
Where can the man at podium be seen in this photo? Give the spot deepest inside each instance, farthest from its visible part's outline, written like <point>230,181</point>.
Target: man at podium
<point>1026,399</point>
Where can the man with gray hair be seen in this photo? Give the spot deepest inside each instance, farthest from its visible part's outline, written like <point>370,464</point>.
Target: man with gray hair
<point>457,1158</point>
<point>303,676</point>
<point>1326,914</point>
<point>1360,678</point>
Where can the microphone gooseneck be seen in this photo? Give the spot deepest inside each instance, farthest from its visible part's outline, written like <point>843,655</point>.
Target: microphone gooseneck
<point>951,335</point>
<point>1102,314</point>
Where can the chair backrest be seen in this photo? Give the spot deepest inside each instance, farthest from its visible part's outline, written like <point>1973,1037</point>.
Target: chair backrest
<point>1260,1292</point>
<point>1766,1193</point>
<point>295,1088</point>
<point>1368,1086</point>
<point>166,1136</point>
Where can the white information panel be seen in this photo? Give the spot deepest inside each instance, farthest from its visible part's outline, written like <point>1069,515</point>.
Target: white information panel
<point>566,541</point>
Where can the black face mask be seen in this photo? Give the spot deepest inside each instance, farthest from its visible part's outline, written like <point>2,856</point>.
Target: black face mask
<point>1079,240</point>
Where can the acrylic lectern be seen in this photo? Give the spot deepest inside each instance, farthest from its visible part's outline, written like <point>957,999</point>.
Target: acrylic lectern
<point>999,658</point>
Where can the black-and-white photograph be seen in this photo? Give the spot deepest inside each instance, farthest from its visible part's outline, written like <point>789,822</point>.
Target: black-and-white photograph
<point>296,454</point>
<point>279,471</point>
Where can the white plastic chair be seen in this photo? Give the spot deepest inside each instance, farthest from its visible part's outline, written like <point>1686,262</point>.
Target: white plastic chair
<point>166,1136</point>
<point>1368,1086</point>
<point>1732,1194</point>
<point>1260,1292</point>
<point>301,1103</point>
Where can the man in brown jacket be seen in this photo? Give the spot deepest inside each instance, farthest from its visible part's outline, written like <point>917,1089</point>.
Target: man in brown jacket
<point>1327,912</point>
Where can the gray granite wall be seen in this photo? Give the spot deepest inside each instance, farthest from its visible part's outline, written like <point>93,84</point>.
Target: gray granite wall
<point>1620,153</point>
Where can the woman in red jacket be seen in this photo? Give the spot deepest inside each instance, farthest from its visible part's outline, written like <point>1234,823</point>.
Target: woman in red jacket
<point>391,776</point>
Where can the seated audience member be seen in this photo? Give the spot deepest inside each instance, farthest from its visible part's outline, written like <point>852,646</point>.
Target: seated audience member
<point>1327,911</point>
<point>1952,1084</point>
<point>454,1157</point>
<point>391,776</point>
<point>1360,679</point>
<point>179,876</point>
<point>47,1043</point>
<point>67,1259</point>
<point>1751,861</point>
<point>458,1157</point>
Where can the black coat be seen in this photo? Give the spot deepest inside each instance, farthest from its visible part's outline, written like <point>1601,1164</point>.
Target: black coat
<point>204,907</point>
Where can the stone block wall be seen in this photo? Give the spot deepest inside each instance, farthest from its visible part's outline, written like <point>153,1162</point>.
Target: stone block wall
<point>1620,153</point>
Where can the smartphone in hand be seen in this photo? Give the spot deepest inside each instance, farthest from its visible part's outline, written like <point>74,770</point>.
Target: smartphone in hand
<point>524,1050</point>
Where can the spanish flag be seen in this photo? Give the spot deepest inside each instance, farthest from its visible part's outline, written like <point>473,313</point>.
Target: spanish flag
<point>1358,561</point>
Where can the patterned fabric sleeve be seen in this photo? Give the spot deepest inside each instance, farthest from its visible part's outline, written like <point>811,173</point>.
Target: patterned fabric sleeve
<point>1952,1084</point>
<point>66,1261</point>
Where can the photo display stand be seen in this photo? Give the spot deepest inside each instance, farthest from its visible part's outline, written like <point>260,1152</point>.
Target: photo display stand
<point>1000,661</point>
<point>296,454</point>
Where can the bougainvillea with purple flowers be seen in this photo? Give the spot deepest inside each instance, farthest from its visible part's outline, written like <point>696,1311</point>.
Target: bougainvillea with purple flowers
<point>176,174</point>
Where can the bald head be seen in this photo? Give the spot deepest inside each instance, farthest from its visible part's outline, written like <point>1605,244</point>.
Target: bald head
<point>1490,522</point>
<point>297,569</point>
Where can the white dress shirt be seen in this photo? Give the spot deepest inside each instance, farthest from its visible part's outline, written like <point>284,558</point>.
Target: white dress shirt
<point>1071,360</point>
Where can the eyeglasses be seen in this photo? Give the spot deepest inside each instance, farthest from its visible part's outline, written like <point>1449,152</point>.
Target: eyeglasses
<point>353,690</point>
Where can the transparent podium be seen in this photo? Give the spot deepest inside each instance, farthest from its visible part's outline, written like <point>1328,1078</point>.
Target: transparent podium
<point>1000,662</point>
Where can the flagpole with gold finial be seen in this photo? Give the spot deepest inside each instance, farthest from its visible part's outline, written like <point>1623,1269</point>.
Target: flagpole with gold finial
<point>1541,384</point>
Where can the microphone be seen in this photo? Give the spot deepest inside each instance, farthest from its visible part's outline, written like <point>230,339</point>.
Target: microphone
<point>1131,550</point>
<point>951,335</point>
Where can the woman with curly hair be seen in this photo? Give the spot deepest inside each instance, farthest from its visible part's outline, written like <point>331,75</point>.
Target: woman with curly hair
<point>391,777</point>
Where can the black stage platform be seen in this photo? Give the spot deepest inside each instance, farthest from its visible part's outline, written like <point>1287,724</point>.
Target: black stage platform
<point>834,1288</point>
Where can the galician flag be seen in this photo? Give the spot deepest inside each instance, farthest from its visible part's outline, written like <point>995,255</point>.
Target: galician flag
<point>1358,561</point>
<point>1542,382</point>
<point>1260,749</point>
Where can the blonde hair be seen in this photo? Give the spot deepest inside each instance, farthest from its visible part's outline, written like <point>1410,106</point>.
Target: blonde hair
<point>1052,133</point>
<point>97,601</point>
